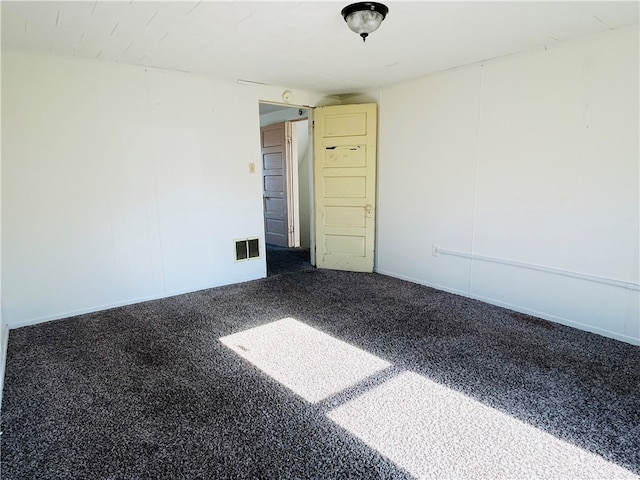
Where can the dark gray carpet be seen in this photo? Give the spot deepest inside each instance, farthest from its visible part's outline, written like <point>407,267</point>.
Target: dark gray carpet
<point>148,391</point>
<point>287,260</point>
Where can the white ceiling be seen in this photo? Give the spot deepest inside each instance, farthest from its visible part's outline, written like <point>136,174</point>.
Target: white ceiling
<point>306,44</point>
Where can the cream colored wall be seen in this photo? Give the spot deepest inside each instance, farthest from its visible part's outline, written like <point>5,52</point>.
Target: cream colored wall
<point>532,158</point>
<point>4,329</point>
<point>121,184</point>
<point>116,181</point>
<point>4,342</point>
<point>370,96</point>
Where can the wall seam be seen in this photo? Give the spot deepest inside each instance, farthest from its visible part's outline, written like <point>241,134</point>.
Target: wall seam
<point>475,182</point>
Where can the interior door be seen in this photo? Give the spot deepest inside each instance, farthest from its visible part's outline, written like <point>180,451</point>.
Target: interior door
<point>274,147</point>
<point>345,186</point>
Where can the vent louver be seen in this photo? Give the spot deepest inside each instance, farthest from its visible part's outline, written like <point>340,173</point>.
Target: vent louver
<point>247,249</point>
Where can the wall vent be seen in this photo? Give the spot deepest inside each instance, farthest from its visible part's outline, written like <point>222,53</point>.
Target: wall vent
<point>246,249</point>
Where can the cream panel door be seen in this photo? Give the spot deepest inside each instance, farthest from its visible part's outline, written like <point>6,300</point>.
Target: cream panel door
<point>345,181</point>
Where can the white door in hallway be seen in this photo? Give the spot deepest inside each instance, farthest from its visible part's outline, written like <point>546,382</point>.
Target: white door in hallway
<point>345,138</point>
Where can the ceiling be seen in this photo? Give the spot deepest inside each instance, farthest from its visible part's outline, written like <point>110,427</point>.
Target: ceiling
<point>302,45</point>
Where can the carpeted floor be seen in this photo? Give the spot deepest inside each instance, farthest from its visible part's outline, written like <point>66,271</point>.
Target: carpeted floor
<point>230,383</point>
<point>287,260</point>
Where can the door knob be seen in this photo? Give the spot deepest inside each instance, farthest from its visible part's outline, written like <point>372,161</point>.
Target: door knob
<point>368,211</point>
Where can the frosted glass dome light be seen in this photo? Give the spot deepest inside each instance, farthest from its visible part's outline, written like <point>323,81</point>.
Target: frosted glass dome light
<point>364,18</point>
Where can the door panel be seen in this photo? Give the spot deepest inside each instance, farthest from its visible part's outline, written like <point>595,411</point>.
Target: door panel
<point>346,156</point>
<point>274,184</point>
<point>272,137</point>
<point>345,187</point>
<point>273,160</point>
<point>345,245</point>
<point>344,217</point>
<point>346,125</point>
<point>345,172</point>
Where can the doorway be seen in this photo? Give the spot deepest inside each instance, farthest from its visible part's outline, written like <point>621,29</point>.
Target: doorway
<point>287,185</point>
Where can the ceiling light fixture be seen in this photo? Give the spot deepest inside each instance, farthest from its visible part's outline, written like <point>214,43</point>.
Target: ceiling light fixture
<point>364,17</point>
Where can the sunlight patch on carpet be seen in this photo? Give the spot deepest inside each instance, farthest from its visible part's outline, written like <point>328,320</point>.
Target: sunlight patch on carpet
<point>311,363</point>
<point>432,431</point>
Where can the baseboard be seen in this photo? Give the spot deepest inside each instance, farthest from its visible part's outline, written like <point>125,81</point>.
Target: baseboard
<point>124,303</point>
<point>518,308</point>
<point>510,306</point>
<point>4,335</point>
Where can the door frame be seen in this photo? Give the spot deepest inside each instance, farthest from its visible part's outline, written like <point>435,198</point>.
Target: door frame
<point>311,179</point>
<point>295,176</point>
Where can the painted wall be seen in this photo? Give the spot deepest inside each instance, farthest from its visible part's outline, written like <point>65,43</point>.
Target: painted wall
<point>121,184</point>
<point>4,329</point>
<point>532,158</point>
